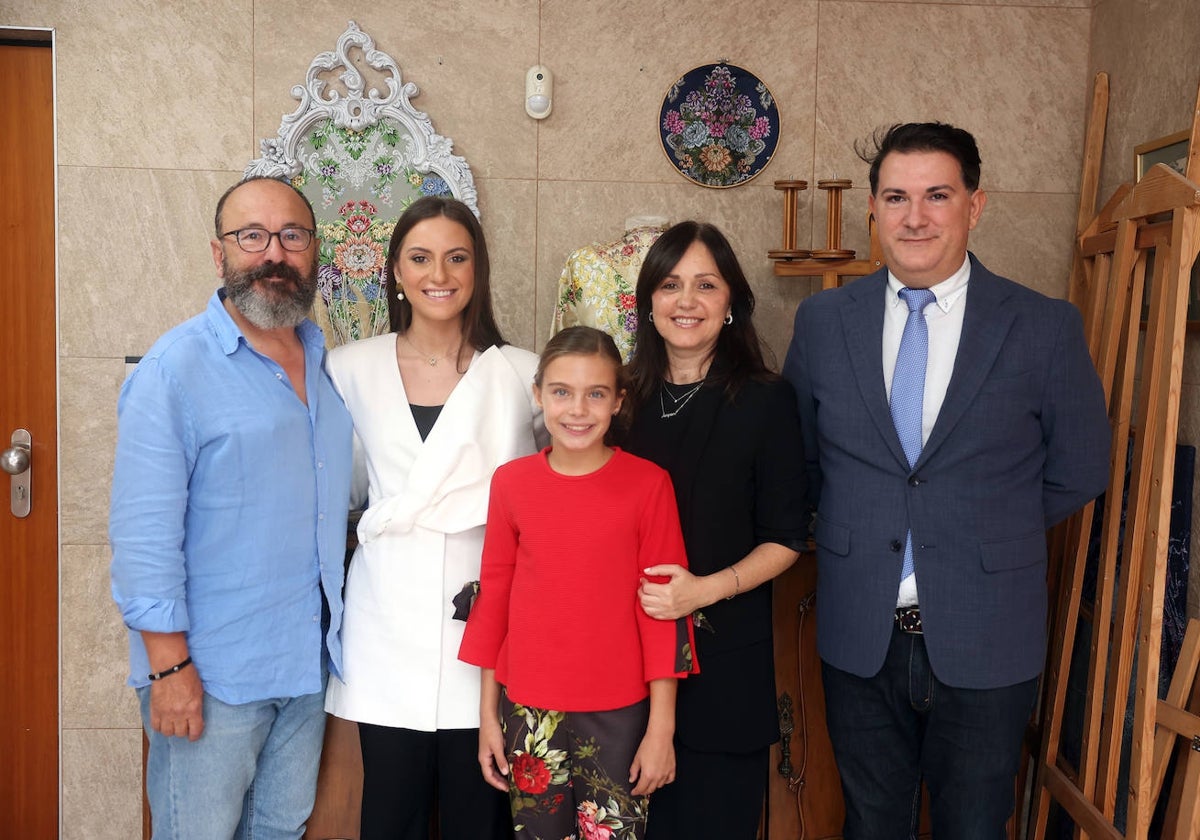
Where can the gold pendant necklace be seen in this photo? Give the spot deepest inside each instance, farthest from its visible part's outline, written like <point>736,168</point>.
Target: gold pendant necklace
<point>430,359</point>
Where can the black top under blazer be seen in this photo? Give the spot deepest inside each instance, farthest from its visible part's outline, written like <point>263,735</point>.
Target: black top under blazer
<point>1022,441</point>
<point>739,476</point>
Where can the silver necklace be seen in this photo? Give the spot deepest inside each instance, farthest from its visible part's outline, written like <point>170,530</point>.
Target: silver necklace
<point>678,403</point>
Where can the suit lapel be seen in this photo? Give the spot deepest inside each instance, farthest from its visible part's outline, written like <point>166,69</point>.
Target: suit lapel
<point>986,323</point>
<point>862,325</point>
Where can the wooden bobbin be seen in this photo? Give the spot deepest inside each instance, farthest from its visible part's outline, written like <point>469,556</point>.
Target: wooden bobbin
<point>791,206</point>
<point>833,249</point>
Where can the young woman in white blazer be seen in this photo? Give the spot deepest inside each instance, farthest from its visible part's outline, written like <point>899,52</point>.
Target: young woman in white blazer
<point>438,404</point>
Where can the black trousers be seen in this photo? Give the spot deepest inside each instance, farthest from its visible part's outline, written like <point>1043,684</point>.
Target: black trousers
<point>406,771</point>
<point>713,795</point>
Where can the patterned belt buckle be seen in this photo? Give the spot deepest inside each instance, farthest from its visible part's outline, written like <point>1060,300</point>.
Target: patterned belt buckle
<point>908,619</point>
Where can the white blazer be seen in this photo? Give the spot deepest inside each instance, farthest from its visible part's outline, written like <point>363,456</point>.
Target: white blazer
<point>421,537</point>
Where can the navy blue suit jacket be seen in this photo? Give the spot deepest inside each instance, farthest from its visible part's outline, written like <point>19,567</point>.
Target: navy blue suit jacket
<point>1022,441</point>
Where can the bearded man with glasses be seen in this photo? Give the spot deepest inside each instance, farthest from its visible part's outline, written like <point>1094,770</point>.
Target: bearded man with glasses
<point>228,530</point>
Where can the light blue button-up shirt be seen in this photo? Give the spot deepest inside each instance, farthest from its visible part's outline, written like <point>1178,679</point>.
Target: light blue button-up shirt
<point>228,517</point>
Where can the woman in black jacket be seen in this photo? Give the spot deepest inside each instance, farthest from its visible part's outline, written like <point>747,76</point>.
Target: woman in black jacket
<point>708,409</point>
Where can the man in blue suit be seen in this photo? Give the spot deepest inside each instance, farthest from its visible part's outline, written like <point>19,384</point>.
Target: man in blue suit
<point>950,417</point>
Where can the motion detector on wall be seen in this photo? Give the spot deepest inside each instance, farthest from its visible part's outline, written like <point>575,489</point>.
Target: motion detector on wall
<point>539,92</point>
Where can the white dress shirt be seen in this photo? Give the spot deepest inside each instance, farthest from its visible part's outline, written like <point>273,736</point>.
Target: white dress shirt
<point>944,320</point>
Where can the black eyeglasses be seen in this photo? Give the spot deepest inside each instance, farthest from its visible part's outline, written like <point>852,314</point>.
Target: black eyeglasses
<point>255,240</point>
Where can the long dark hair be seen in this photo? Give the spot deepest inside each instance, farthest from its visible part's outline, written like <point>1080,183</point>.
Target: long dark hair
<point>738,355</point>
<point>479,322</point>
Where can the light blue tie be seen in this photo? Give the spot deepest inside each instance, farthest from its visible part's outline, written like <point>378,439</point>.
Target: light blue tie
<point>908,388</point>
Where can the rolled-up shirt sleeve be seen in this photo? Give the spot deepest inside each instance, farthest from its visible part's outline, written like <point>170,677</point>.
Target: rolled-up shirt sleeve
<point>154,460</point>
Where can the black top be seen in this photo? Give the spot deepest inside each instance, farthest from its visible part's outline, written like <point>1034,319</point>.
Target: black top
<point>738,471</point>
<point>425,416</point>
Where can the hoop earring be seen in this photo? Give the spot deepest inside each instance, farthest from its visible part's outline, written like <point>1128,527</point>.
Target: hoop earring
<point>729,317</point>
<point>650,317</point>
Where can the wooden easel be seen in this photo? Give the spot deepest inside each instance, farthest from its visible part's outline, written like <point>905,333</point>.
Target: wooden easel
<point>1162,211</point>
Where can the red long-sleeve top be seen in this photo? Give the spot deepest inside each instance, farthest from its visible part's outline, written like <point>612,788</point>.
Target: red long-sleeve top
<point>557,615</point>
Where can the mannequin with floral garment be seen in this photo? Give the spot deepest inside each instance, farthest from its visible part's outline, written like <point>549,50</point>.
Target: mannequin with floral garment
<point>596,288</point>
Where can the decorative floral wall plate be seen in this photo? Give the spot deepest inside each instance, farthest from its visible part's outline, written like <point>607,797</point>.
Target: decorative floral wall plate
<point>719,125</point>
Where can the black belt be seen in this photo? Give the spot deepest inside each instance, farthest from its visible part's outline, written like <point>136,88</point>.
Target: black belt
<point>908,619</point>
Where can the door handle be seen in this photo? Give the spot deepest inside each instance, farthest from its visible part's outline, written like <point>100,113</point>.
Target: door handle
<point>15,461</point>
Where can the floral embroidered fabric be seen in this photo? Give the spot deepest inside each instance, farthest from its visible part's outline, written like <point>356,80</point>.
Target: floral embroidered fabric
<point>597,287</point>
<point>719,125</point>
<point>565,782</point>
<point>359,183</point>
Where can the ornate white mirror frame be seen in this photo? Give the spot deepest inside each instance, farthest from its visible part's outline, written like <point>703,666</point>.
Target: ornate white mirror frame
<point>360,157</point>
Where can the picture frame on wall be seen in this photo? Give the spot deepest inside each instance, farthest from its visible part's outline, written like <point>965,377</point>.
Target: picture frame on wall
<point>1171,150</point>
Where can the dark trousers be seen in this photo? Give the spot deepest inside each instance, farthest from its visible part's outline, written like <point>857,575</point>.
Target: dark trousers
<point>902,726</point>
<point>713,795</point>
<point>406,771</point>
<point>569,771</point>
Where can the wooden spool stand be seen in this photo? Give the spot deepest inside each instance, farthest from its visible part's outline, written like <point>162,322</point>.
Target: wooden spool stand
<point>791,204</point>
<point>833,249</point>
<point>833,262</point>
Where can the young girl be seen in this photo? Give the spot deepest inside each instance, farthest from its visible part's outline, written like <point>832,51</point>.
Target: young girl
<point>578,686</point>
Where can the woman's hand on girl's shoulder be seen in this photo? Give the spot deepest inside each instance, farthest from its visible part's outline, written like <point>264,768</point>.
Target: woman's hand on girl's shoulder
<point>669,592</point>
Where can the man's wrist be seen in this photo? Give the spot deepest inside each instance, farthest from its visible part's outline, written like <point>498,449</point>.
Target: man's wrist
<point>174,669</point>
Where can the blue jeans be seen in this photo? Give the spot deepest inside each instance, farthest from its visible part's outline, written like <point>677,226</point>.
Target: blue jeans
<point>903,726</point>
<point>252,774</point>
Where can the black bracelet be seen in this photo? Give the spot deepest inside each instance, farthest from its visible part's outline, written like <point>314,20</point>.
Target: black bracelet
<point>174,669</point>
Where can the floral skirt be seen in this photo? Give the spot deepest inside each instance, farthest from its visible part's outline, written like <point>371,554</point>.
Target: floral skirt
<point>569,776</point>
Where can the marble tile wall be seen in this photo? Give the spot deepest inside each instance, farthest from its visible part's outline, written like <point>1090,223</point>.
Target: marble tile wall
<point>161,105</point>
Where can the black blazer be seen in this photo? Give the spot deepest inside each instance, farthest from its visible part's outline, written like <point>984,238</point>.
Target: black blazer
<point>738,471</point>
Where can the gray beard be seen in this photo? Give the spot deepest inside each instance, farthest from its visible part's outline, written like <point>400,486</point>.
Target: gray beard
<point>266,310</point>
<point>268,314</point>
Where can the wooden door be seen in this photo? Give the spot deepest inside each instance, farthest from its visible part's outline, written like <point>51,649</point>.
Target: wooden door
<point>804,795</point>
<point>28,384</point>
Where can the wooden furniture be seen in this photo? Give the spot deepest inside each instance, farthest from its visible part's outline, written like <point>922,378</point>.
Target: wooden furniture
<point>791,206</point>
<point>833,249</point>
<point>832,263</point>
<point>1109,283</point>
